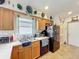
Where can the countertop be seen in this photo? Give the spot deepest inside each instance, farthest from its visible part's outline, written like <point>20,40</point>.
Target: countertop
<point>6,49</point>
<point>39,38</point>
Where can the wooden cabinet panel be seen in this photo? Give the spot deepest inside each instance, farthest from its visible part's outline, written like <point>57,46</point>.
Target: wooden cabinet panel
<point>35,49</point>
<point>7,19</point>
<point>25,53</point>
<point>0,18</point>
<point>15,53</point>
<point>41,23</point>
<point>12,19</point>
<point>36,43</point>
<point>21,54</point>
<point>35,52</point>
<point>28,52</point>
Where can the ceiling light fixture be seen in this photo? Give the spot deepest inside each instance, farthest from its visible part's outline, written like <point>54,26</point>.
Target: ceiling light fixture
<point>70,12</point>
<point>46,7</point>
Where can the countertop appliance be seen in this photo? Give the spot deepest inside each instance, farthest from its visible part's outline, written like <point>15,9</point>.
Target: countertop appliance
<point>2,1</point>
<point>6,39</point>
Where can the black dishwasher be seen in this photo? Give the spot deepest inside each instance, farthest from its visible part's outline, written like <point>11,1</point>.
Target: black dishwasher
<point>44,46</point>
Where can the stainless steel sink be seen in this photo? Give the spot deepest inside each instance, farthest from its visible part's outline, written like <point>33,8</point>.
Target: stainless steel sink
<point>24,44</point>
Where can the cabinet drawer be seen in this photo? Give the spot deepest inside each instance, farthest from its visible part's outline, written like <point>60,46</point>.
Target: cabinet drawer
<point>36,43</point>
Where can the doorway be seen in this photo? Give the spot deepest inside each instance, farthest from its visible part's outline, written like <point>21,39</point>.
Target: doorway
<point>73,33</point>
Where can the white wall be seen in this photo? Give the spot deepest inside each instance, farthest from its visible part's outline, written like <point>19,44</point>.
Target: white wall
<point>64,29</point>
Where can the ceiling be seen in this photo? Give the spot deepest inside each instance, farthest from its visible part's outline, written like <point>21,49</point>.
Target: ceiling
<point>56,7</point>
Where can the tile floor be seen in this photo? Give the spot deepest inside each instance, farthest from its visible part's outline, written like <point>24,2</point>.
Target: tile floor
<point>65,52</point>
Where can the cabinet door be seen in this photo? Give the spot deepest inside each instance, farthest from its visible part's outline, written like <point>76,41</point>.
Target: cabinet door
<point>28,52</point>
<point>21,54</point>
<point>41,23</point>
<point>11,23</point>
<point>15,53</point>
<point>0,18</point>
<point>35,50</point>
<point>7,19</point>
<point>25,52</point>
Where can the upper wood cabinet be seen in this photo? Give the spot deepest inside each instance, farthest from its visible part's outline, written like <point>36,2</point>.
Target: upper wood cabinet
<point>6,19</point>
<point>41,23</point>
<point>0,18</point>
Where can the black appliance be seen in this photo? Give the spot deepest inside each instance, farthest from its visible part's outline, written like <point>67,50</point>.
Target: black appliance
<point>54,42</point>
<point>4,40</point>
<point>44,46</point>
<point>2,1</point>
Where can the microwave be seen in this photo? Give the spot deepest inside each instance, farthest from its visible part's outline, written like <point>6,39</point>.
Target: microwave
<point>5,39</point>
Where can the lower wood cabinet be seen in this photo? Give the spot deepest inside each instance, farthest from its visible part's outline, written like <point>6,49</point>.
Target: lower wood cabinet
<point>35,49</point>
<point>20,52</point>
<point>29,52</point>
<point>15,54</point>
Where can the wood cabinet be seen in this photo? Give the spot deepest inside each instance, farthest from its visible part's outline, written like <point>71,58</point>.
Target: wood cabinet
<point>0,18</point>
<point>28,52</point>
<point>6,19</point>
<point>35,49</point>
<point>41,23</point>
<point>14,54</point>
<point>25,53</point>
<point>20,52</point>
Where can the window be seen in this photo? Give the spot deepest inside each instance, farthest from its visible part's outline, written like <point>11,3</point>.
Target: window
<point>25,26</point>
